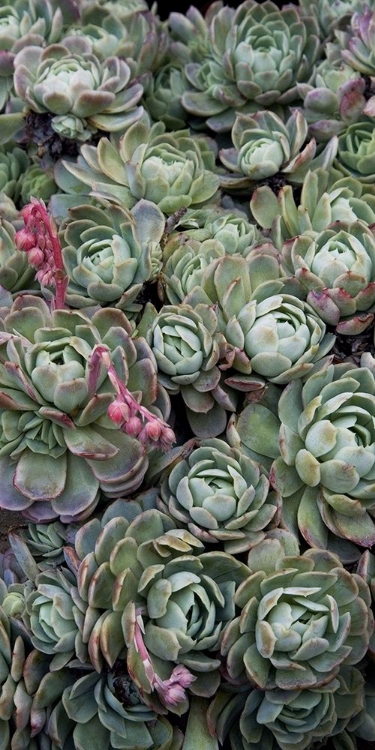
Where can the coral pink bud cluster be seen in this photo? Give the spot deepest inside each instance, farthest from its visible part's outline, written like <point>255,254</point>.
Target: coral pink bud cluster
<point>139,422</point>
<point>130,416</point>
<point>39,239</point>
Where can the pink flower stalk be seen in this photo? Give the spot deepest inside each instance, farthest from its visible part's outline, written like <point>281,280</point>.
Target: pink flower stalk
<point>39,239</point>
<point>130,416</point>
<point>171,691</point>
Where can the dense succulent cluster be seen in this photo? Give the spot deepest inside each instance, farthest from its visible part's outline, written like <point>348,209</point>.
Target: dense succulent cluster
<point>187,375</point>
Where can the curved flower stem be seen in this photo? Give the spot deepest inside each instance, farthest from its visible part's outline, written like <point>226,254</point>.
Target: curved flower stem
<point>40,240</point>
<point>172,690</point>
<point>130,416</point>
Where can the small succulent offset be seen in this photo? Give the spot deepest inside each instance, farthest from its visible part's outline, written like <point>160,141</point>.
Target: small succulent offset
<point>264,146</point>
<point>45,542</point>
<point>337,269</point>
<point>173,170</point>
<point>332,15</point>
<point>28,688</point>
<point>188,252</point>
<point>37,182</point>
<point>162,97</point>
<point>81,92</point>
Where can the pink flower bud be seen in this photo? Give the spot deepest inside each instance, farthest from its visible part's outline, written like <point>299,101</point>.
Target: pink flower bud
<point>35,256</point>
<point>27,212</point>
<point>153,429</point>
<point>182,674</point>
<point>24,240</point>
<point>174,695</point>
<point>118,412</point>
<point>167,438</point>
<point>172,691</point>
<point>133,426</point>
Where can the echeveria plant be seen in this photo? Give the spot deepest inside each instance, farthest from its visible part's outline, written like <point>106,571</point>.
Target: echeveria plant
<point>187,375</point>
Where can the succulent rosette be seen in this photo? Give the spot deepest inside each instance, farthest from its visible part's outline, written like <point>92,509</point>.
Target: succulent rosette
<point>189,252</point>
<point>230,281</point>
<point>221,495</point>
<point>289,719</point>
<point>357,42</point>
<point>24,23</point>
<point>50,614</point>
<point>232,228</point>
<point>334,98</point>
<point>45,542</point>
<point>106,710</point>
<point>173,170</point>
<point>139,37</point>
<point>256,53</point>
<point>81,92</point>
<point>162,97</point>
<point>337,269</point>
<point>40,21</point>
<point>58,446</point>
<point>147,591</point>
<point>332,14</point>
<point>232,284</point>
<point>35,181</point>
<point>27,690</point>
<point>299,623</point>
<point>320,435</point>
<point>355,155</point>
<point>263,145</point>
<point>108,253</point>
<point>326,196</point>
<point>190,32</point>
<point>186,259</point>
<point>187,348</point>
<point>281,337</point>
<point>366,569</point>
<point>14,162</point>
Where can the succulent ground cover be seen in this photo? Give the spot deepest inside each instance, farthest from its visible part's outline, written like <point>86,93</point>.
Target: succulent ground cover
<point>187,376</point>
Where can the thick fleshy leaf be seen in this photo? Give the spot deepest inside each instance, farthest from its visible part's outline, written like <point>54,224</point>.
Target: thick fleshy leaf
<point>40,477</point>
